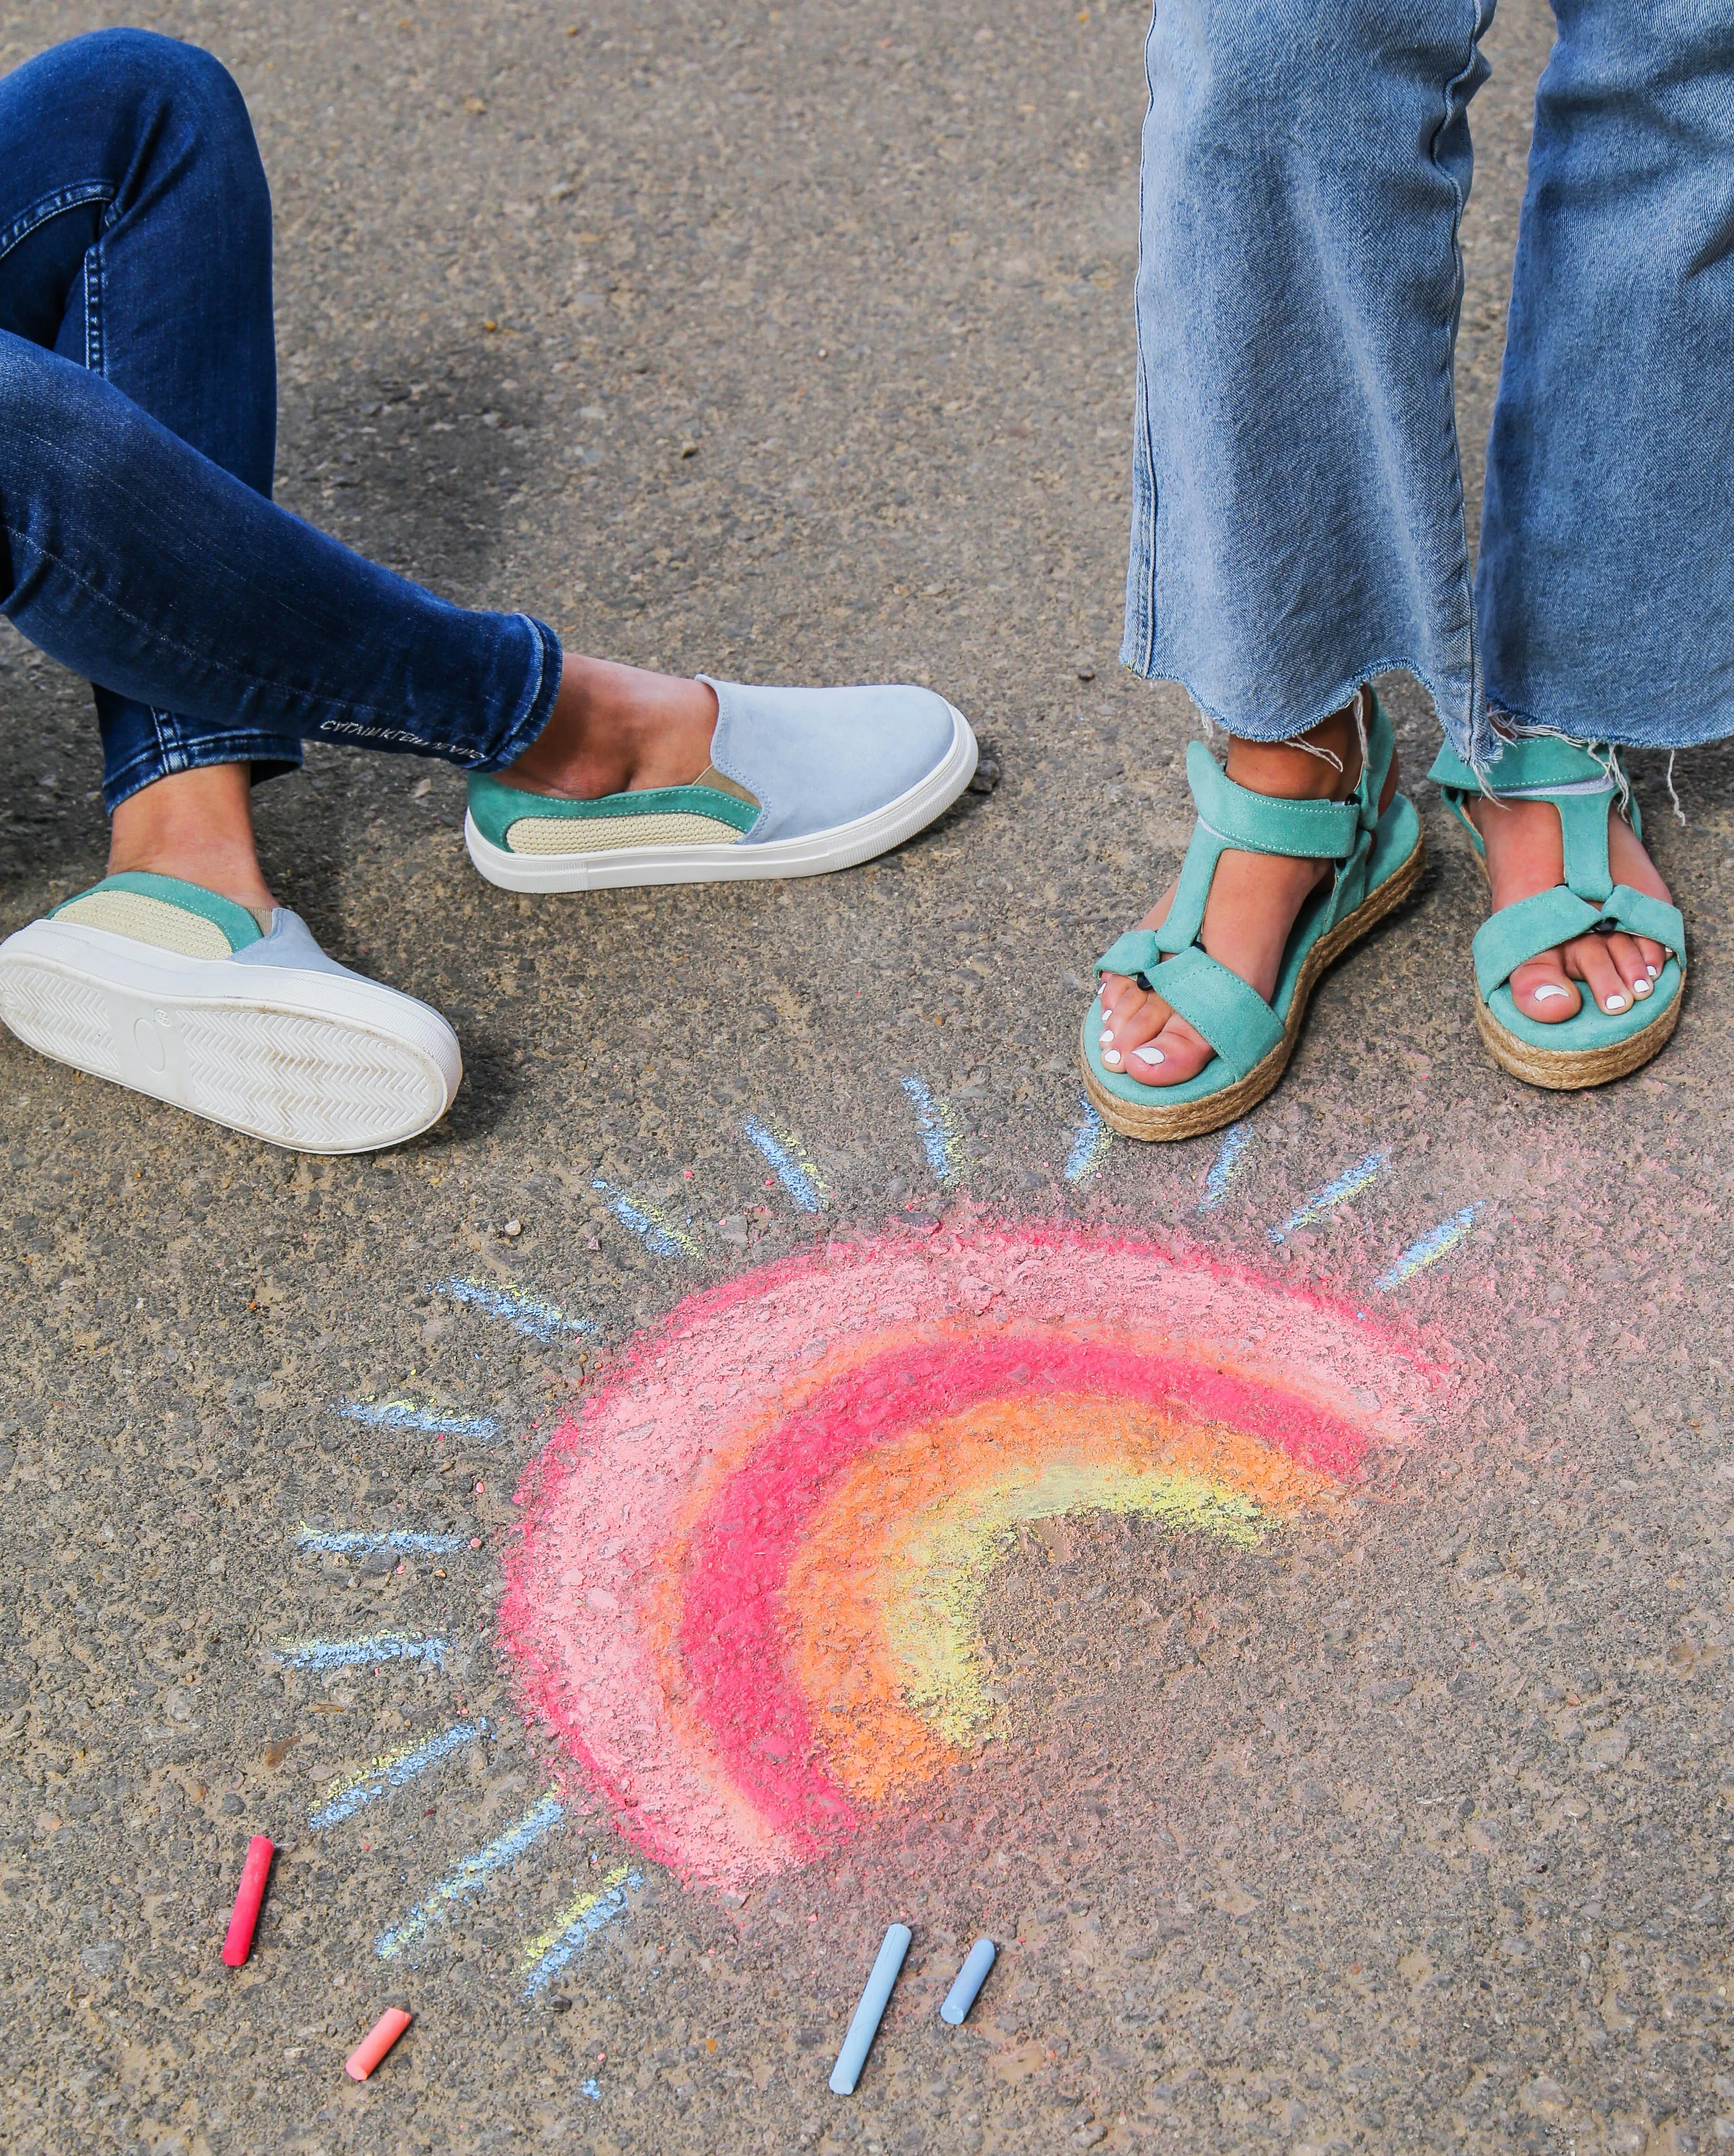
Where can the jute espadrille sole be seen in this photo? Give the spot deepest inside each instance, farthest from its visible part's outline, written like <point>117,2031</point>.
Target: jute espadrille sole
<point>1575,1070</point>
<point>1570,1070</point>
<point>1191,1119</point>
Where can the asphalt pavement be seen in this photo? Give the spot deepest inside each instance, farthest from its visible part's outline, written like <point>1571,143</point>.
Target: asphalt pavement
<point>1368,1798</point>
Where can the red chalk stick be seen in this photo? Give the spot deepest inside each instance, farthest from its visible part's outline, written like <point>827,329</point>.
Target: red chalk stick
<point>248,1896</point>
<point>377,2041</point>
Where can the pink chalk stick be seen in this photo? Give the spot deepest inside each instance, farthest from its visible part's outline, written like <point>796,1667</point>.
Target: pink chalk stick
<point>248,1894</point>
<point>377,2041</point>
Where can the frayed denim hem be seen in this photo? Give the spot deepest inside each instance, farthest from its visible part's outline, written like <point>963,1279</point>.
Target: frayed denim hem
<point>1476,741</point>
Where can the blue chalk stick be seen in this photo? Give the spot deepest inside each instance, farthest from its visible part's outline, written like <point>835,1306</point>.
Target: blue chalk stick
<point>865,2025</point>
<point>971,1977</point>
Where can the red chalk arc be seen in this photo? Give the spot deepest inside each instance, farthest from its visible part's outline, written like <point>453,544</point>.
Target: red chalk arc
<point>750,1565</point>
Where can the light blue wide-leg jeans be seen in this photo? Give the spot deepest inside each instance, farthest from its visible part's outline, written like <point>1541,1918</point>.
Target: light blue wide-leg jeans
<point>1298,508</point>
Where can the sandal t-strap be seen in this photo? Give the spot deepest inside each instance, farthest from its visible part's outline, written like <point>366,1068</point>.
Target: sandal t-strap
<point>1376,860</point>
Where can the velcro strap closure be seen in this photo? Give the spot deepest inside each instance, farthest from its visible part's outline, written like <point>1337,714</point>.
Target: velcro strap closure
<point>1258,824</point>
<point>1233,1018</point>
<point>1511,937</point>
<point>1640,914</point>
<point>1531,761</point>
<point>1137,951</point>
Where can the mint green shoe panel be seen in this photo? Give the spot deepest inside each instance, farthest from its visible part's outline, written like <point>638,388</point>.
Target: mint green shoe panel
<point>1261,824</point>
<point>1525,929</point>
<point>1536,760</point>
<point>496,806</point>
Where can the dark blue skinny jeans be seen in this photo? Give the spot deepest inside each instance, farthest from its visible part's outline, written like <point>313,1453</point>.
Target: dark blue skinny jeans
<point>138,398</point>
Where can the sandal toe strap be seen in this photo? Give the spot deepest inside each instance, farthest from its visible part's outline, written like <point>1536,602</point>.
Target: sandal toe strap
<point>1233,1018</point>
<point>1512,937</point>
<point>1136,954</point>
<point>1640,914</point>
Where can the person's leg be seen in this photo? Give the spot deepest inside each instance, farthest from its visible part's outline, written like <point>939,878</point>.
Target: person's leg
<point>1605,585</point>
<point>136,243</point>
<point>1298,521</point>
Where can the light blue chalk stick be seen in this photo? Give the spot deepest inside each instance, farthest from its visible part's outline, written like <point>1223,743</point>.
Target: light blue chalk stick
<point>865,2026</point>
<point>971,1977</point>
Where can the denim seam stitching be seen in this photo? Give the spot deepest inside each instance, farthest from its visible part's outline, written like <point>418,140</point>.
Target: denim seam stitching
<point>38,214</point>
<point>95,344</point>
<point>27,540</point>
<point>1478,27</point>
<point>1147,588</point>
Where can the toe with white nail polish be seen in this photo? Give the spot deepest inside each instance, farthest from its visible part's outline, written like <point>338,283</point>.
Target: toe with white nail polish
<point>1547,993</point>
<point>1149,1055</point>
<point>1615,1003</point>
<point>1104,1039</point>
<point>1642,988</point>
<point>1111,1055</point>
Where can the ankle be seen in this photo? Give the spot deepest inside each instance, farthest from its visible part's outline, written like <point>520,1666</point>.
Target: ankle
<point>1328,768</point>
<point>196,826</point>
<point>615,729</point>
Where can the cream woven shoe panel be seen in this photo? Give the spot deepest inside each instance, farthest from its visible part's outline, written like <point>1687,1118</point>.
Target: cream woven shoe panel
<point>608,835</point>
<point>149,921</point>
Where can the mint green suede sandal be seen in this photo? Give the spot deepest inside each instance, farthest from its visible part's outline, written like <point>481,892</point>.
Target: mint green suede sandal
<point>1378,861</point>
<point>1595,1045</point>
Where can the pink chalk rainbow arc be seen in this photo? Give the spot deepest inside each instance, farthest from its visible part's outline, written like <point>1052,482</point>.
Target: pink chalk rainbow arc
<point>746,1590</point>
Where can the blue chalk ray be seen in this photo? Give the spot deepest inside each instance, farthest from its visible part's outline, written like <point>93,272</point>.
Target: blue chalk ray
<point>1223,1168</point>
<point>471,1876</point>
<point>358,1654</point>
<point>1090,1143</point>
<point>936,1122</point>
<point>355,1542</point>
<point>391,1772</point>
<point>656,1229</point>
<point>536,1318</point>
<point>1429,1248</point>
<point>604,1904</point>
<point>404,1414</point>
<point>797,1173</point>
<point>1344,1186</point>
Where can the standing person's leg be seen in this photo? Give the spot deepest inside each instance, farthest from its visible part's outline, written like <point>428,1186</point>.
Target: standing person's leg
<point>1605,585</point>
<point>1298,521</point>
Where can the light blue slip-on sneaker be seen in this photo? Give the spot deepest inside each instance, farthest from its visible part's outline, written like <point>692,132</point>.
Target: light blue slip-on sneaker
<point>171,990</point>
<point>800,780</point>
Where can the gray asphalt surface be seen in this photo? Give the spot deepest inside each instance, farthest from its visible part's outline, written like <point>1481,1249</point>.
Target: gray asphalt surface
<point>795,343</point>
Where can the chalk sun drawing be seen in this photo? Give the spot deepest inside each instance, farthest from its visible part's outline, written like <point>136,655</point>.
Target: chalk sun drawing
<point>746,1594</point>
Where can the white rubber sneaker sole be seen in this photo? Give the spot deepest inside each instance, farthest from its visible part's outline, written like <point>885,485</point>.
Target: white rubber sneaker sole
<point>841,847</point>
<point>316,1062</point>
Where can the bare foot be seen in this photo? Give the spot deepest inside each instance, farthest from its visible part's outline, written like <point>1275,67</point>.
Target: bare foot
<point>1251,910</point>
<point>1525,853</point>
<point>617,730</point>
